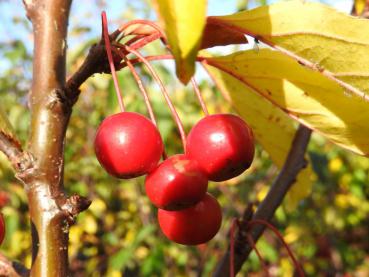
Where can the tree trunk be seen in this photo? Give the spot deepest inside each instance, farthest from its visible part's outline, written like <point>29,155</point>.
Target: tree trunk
<point>50,115</point>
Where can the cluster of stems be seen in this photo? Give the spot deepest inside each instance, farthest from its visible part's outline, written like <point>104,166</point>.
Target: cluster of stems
<point>122,50</point>
<point>250,223</point>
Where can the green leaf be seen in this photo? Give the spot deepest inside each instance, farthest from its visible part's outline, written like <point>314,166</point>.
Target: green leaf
<point>119,260</point>
<point>184,22</point>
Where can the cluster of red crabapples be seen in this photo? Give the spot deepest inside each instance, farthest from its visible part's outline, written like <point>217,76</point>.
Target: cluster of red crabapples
<point>217,148</point>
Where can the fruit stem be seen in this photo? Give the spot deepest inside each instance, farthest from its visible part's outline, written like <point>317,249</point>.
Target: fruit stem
<point>231,246</point>
<point>141,22</point>
<point>199,97</point>
<point>280,237</point>
<point>142,90</point>
<point>105,33</point>
<point>235,223</point>
<point>140,86</point>
<point>253,246</point>
<point>165,93</point>
<point>138,41</point>
<point>157,58</point>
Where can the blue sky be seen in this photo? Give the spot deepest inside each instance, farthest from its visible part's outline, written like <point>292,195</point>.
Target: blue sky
<point>9,30</point>
<point>88,15</point>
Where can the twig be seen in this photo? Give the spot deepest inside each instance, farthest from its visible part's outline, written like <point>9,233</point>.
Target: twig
<point>12,269</point>
<point>12,151</point>
<point>51,107</point>
<point>95,62</point>
<point>294,163</point>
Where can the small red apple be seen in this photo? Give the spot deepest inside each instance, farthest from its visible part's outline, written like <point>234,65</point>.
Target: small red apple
<point>223,144</point>
<point>194,225</point>
<point>128,145</point>
<point>177,183</point>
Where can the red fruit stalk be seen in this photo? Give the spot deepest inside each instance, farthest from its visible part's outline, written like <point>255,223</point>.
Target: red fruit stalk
<point>111,61</point>
<point>140,86</point>
<point>165,93</point>
<point>142,22</point>
<point>199,97</point>
<point>143,92</point>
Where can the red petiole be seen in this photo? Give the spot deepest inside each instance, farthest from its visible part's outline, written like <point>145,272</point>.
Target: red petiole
<point>111,61</point>
<point>199,97</point>
<point>165,94</point>
<point>143,91</point>
<point>253,246</point>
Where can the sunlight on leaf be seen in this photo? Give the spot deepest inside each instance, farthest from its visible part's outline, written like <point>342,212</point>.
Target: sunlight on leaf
<point>328,41</point>
<point>184,22</point>
<point>219,35</point>
<point>272,128</point>
<point>303,94</point>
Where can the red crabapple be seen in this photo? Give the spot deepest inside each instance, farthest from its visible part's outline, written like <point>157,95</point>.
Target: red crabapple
<point>128,145</point>
<point>223,144</point>
<point>194,225</point>
<point>177,183</point>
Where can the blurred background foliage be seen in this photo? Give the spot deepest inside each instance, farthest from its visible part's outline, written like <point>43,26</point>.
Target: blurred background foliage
<point>119,235</point>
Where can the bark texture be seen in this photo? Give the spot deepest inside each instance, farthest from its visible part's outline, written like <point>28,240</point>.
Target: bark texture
<point>50,210</point>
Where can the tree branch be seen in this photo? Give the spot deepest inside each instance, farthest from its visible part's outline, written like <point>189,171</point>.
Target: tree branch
<point>95,62</point>
<point>12,269</point>
<point>51,108</point>
<point>294,163</point>
<point>20,160</point>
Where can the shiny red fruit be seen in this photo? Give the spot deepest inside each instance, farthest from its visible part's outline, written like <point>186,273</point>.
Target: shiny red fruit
<point>2,228</point>
<point>195,225</point>
<point>128,145</point>
<point>177,183</point>
<point>223,144</point>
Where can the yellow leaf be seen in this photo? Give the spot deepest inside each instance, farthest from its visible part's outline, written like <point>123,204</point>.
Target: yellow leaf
<point>333,43</point>
<point>272,128</point>
<point>184,22</point>
<point>359,6</point>
<point>303,94</point>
